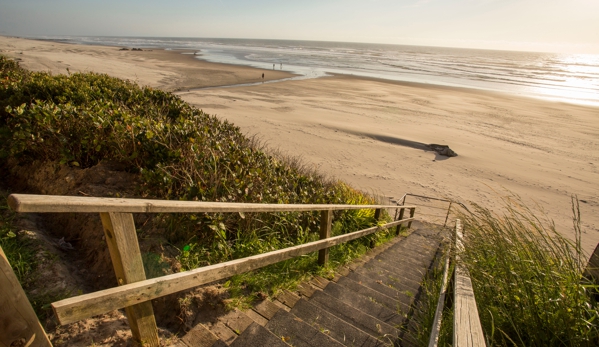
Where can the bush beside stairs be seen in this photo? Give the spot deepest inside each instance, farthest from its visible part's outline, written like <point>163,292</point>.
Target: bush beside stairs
<point>368,303</point>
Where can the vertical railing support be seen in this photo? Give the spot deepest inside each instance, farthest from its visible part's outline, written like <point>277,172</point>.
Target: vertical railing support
<point>377,214</point>
<point>412,211</point>
<point>401,212</point>
<point>446,217</point>
<point>377,218</point>
<point>326,218</point>
<point>19,325</point>
<point>121,237</point>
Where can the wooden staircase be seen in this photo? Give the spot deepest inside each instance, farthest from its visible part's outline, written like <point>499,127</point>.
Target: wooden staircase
<point>368,303</point>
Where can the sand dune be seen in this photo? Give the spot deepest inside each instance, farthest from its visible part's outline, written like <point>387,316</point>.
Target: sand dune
<point>372,133</point>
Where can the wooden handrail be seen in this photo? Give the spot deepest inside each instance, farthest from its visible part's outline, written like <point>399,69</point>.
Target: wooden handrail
<point>135,292</point>
<point>80,307</point>
<point>55,203</point>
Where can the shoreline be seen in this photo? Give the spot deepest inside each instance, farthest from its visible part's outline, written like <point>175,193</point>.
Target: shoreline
<point>276,76</point>
<point>351,128</point>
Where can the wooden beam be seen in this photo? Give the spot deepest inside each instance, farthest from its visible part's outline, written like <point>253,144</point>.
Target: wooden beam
<point>592,269</point>
<point>377,214</point>
<point>74,309</point>
<point>377,218</point>
<point>326,219</point>
<point>121,238</point>
<point>19,325</point>
<point>467,331</point>
<point>401,212</point>
<point>54,203</point>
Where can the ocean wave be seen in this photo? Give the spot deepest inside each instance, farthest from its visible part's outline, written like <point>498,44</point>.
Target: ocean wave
<point>517,72</point>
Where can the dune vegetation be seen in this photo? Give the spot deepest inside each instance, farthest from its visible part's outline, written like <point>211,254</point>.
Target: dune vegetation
<point>529,279</point>
<point>178,153</point>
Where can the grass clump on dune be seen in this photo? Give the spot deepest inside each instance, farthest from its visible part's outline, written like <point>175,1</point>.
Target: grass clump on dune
<point>178,152</point>
<point>528,279</point>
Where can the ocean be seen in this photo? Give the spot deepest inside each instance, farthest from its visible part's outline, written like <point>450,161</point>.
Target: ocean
<point>572,78</point>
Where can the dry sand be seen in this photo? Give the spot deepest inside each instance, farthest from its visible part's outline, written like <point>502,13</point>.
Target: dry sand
<point>359,130</point>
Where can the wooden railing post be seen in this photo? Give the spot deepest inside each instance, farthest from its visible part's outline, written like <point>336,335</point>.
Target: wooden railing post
<point>401,212</point>
<point>377,218</point>
<point>19,325</point>
<point>591,271</point>
<point>412,211</point>
<point>377,214</point>
<point>121,237</point>
<point>326,218</point>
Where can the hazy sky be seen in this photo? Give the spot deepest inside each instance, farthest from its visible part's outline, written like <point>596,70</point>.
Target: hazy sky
<point>536,25</point>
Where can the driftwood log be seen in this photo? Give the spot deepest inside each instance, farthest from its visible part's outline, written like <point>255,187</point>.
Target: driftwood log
<point>442,150</point>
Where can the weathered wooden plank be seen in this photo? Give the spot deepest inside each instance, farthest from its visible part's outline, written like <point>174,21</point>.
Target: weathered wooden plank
<point>401,212</point>
<point>412,211</point>
<point>467,331</point>
<point>87,305</point>
<point>326,219</point>
<point>121,238</point>
<point>54,203</point>
<point>592,269</point>
<point>19,325</point>
<point>377,213</point>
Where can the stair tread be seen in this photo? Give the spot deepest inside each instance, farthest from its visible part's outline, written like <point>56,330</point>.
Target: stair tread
<point>355,317</point>
<point>368,305</point>
<point>298,333</point>
<point>257,335</point>
<point>392,303</point>
<point>199,336</point>
<point>380,286</point>
<point>396,276</point>
<point>339,329</point>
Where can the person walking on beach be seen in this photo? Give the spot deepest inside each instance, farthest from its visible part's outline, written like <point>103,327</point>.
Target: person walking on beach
<point>273,66</point>
<point>281,66</point>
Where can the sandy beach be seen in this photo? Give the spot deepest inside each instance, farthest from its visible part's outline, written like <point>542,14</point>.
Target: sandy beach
<point>369,132</point>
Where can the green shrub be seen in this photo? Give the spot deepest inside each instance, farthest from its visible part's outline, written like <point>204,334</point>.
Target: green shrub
<point>179,152</point>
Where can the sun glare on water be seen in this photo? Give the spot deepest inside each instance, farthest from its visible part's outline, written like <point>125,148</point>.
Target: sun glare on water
<point>577,79</point>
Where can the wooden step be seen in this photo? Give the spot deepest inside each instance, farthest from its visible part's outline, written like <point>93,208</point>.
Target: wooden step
<point>367,303</point>
<point>296,332</point>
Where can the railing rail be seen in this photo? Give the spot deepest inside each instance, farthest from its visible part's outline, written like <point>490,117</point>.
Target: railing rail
<point>56,203</point>
<point>135,292</point>
<point>80,307</point>
<point>403,202</point>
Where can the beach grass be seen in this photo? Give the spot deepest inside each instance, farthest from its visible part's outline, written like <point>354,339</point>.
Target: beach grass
<point>528,278</point>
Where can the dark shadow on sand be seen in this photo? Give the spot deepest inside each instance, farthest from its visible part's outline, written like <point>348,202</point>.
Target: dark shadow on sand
<point>400,142</point>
